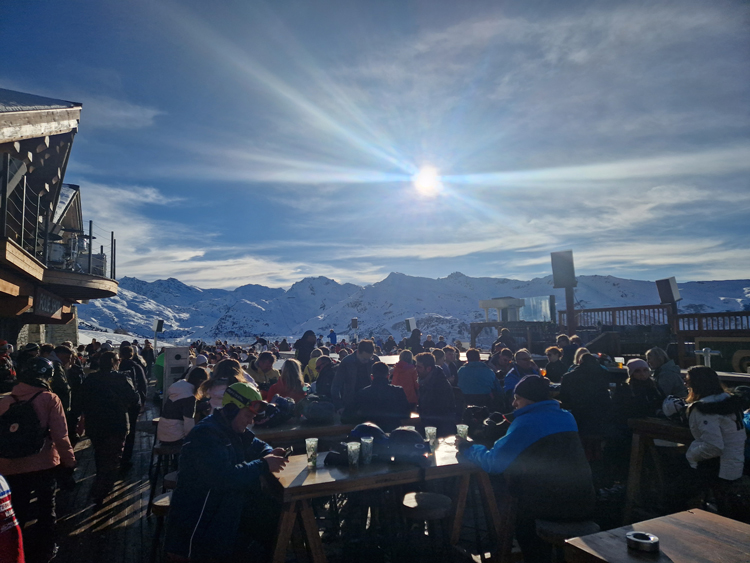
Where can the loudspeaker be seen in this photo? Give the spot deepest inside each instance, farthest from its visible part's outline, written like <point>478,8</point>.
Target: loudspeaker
<point>563,272</point>
<point>668,291</point>
<point>159,326</point>
<point>411,324</point>
<point>355,323</point>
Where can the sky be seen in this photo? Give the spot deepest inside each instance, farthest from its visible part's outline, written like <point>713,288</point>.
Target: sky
<point>247,141</point>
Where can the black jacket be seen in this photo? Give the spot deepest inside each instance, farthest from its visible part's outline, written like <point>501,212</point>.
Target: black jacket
<point>137,378</point>
<point>381,403</point>
<point>106,399</point>
<point>585,393</point>
<point>325,380</point>
<point>556,371</point>
<point>437,403</point>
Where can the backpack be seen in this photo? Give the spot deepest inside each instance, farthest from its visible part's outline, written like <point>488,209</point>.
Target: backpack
<point>21,432</point>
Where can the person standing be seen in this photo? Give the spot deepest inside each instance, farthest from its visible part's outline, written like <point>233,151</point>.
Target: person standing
<point>107,396</point>
<point>140,383</point>
<point>149,357</point>
<point>35,475</point>
<point>666,373</point>
<point>304,347</point>
<point>332,338</point>
<point>11,540</point>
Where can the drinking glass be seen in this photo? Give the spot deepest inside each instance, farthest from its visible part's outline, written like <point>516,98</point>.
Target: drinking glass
<point>311,447</point>
<point>366,450</point>
<point>462,430</point>
<point>430,432</point>
<point>352,449</point>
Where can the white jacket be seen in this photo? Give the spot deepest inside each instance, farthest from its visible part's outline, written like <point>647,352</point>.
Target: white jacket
<point>717,433</point>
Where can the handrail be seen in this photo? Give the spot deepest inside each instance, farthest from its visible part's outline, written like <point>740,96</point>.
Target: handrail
<point>631,315</point>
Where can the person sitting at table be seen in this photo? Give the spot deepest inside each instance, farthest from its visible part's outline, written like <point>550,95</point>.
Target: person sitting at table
<point>639,397</point>
<point>437,403</point>
<point>453,364</point>
<point>715,418</point>
<point>666,373</point>
<point>310,373</point>
<point>326,368</point>
<point>555,369</point>
<point>477,381</point>
<point>290,384</point>
<point>353,374</point>
<point>405,376</point>
<point>178,412</point>
<point>523,365</point>
<point>501,362</point>
<point>219,507</point>
<point>262,371</point>
<point>542,462</point>
<point>381,403</point>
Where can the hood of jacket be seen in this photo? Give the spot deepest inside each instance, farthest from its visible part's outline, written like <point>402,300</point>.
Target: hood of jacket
<point>180,389</point>
<point>721,404</point>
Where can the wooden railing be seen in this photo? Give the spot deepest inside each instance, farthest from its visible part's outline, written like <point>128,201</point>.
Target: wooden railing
<point>723,322</point>
<point>620,316</point>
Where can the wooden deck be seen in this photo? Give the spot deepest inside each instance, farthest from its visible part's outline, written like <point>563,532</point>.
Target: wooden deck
<point>119,532</point>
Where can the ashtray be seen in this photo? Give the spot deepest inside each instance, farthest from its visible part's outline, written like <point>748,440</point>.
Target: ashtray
<point>642,541</point>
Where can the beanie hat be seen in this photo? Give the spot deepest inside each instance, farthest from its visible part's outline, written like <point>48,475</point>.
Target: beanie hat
<point>31,346</point>
<point>240,394</point>
<point>636,364</point>
<point>201,360</point>
<point>534,388</point>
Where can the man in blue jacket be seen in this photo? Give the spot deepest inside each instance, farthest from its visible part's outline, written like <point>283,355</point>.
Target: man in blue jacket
<point>543,463</point>
<point>218,507</point>
<point>477,381</point>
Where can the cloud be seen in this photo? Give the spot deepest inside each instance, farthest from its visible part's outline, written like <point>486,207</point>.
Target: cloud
<point>105,112</point>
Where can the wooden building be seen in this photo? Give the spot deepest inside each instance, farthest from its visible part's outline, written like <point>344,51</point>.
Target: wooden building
<point>47,264</point>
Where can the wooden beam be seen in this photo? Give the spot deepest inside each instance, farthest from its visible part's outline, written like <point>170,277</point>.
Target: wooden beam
<point>25,287</point>
<point>9,288</point>
<point>16,179</point>
<point>13,306</point>
<point>20,125</point>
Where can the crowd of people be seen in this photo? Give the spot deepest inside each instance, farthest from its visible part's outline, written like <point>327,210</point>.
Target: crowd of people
<point>563,423</point>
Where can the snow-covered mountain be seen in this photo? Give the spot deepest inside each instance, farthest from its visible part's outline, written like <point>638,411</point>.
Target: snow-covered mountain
<point>443,306</point>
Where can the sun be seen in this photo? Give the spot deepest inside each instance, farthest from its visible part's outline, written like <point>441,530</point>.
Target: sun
<point>427,181</point>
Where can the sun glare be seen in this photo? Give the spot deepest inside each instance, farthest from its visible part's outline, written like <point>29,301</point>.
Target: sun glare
<point>427,181</point>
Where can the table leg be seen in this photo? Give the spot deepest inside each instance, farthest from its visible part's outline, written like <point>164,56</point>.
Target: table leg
<point>311,532</point>
<point>637,450</point>
<point>286,525</point>
<point>501,522</point>
<point>458,516</point>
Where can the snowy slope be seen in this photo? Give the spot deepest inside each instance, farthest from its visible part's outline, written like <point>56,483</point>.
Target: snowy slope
<point>443,306</point>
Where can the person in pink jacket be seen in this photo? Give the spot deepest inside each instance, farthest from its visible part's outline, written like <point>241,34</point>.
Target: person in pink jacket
<point>36,475</point>
<point>405,376</point>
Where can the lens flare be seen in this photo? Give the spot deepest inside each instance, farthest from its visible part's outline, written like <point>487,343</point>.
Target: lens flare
<point>427,181</point>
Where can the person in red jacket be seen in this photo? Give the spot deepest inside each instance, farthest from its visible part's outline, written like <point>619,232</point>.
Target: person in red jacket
<point>11,542</point>
<point>405,376</point>
<point>36,475</point>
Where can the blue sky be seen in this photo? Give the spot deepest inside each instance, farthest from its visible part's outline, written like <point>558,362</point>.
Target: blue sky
<point>243,141</point>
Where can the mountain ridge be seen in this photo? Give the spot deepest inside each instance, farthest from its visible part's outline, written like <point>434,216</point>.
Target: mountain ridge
<point>442,306</point>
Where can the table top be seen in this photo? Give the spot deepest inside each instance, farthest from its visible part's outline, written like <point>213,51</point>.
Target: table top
<point>693,535</point>
<point>662,429</point>
<point>299,482</point>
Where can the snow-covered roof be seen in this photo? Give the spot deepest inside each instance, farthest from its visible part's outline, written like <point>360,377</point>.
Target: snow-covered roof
<point>11,101</point>
<point>66,194</point>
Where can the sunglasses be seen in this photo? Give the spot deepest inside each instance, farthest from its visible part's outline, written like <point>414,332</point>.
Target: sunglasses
<point>258,407</point>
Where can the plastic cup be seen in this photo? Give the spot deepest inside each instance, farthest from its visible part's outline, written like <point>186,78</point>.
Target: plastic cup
<point>430,432</point>
<point>352,450</point>
<point>311,447</point>
<point>366,450</point>
<point>462,430</point>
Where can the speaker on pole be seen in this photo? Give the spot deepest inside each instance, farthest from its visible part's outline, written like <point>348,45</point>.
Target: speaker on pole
<point>563,272</point>
<point>668,291</point>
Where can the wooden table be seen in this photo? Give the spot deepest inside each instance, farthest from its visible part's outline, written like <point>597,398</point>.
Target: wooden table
<point>300,485</point>
<point>296,431</point>
<point>645,431</point>
<point>691,536</point>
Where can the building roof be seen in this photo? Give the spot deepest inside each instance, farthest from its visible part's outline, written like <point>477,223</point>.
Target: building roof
<point>11,101</point>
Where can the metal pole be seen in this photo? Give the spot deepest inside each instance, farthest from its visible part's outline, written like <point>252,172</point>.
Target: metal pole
<point>36,227</point>
<point>114,259</point>
<point>570,307</point>
<point>111,254</point>
<point>23,209</point>
<point>46,236</point>
<point>91,246</point>
<point>4,194</point>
